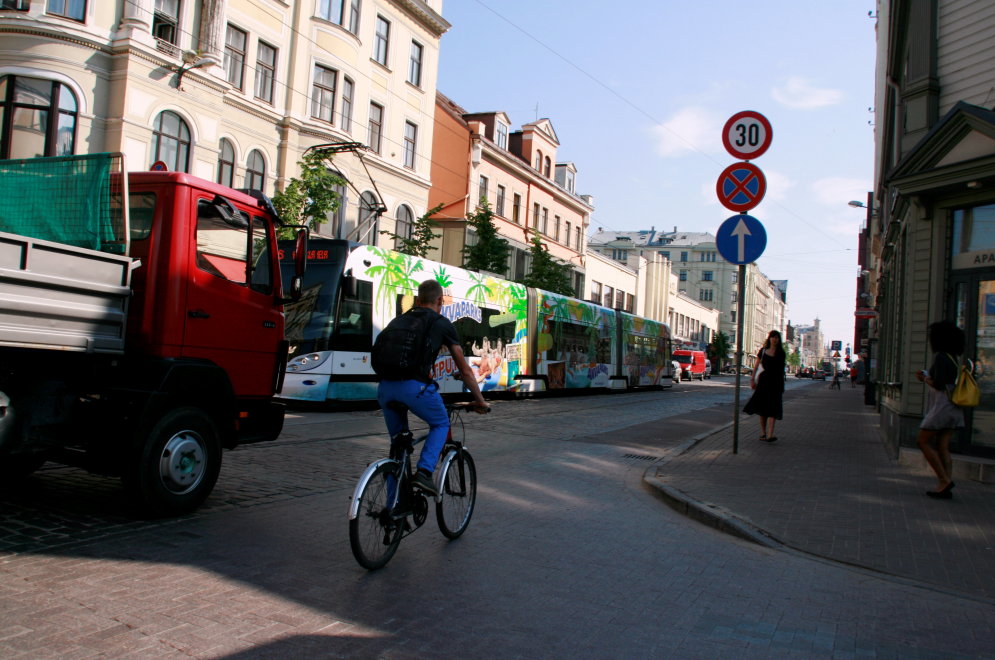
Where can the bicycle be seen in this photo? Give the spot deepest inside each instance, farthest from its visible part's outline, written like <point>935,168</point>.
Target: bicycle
<point>386,507</point>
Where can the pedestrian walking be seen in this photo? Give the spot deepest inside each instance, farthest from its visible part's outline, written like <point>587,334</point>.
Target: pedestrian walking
<point>836,381</point>
<point>767,382</point>
<point>942,416</point>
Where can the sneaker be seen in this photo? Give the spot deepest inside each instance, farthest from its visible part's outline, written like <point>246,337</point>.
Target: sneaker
<point>423,480</point>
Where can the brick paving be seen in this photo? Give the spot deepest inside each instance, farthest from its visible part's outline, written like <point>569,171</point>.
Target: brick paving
<point>827,487</point>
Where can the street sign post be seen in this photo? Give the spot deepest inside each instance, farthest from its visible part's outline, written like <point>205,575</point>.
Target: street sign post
<point>741,239</point>
<point>741,186</point>
<point>747,135</point>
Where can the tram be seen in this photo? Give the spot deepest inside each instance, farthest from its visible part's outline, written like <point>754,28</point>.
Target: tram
<point>517,339</point>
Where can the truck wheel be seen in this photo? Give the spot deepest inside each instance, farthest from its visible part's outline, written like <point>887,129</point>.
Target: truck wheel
<point>176,466</point>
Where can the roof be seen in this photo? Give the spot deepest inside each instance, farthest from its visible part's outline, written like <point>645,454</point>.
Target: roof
<point>652,239</point>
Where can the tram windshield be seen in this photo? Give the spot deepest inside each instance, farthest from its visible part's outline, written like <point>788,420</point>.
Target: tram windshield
<point>325,317</point>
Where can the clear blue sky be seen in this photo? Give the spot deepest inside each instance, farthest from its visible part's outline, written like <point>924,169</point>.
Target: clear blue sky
<point>638,92</point>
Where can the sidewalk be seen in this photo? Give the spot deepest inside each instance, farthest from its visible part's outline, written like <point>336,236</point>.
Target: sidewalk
<point>828,488</point>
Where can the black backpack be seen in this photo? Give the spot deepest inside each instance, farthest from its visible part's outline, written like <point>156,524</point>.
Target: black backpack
<point>402,350</point>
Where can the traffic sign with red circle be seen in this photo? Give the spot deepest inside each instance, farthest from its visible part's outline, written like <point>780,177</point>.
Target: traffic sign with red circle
<point>747,135</point>
<point>741,186</point>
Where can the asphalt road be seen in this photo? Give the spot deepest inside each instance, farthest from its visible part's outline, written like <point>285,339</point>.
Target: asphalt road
<point>568,555</point>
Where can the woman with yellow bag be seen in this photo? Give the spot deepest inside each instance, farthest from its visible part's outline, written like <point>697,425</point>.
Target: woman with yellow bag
<point>942,416</point>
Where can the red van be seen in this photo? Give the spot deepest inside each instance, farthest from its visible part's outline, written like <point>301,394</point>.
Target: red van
<point>692,364</point>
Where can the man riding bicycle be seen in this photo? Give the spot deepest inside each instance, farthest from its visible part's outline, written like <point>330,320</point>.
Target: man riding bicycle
<point>417,390</point>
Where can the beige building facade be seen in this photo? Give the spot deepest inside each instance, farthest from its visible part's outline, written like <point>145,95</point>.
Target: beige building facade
<point>234,91</point>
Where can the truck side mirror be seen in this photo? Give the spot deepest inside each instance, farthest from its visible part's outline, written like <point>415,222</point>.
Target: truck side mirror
<point>300,265</point>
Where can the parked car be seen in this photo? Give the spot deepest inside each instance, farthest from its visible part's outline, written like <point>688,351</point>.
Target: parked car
<point>708,368</point>
<point>803,373</point>
<point>818,374</point>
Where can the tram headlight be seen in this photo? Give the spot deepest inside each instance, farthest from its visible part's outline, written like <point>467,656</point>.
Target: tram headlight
<point>307,361</point>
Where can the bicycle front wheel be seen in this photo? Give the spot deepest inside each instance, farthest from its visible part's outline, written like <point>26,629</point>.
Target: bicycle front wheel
<point>374,534</point>
<point>459,494</point>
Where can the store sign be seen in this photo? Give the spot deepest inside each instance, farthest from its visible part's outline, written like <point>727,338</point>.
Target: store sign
<point>975,259</point>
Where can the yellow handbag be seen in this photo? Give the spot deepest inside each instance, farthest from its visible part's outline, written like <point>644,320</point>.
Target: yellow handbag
<point>966,392</point>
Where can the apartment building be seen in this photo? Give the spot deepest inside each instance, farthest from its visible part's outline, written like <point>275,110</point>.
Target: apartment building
<point>233,91</point>
<point>480,156</point>
<point>931,218</point>
<point>705,278</point>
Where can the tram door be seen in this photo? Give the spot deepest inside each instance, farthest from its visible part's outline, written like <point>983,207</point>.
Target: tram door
<point>974,312</point>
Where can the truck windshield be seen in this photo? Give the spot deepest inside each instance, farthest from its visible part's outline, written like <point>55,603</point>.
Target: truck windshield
<point>683,359</point>
<point>324,318</point>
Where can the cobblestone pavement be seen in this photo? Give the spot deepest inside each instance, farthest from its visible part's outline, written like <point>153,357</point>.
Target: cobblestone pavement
<point>568,555</point>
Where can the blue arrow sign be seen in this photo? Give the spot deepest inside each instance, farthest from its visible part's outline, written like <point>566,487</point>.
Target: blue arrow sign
<point>741,239</point>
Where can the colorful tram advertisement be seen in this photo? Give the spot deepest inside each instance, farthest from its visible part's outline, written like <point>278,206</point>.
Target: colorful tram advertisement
<point>517,339</point>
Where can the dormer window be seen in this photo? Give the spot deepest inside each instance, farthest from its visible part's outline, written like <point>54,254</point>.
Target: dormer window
<point>501,135</point>
<point>538,162</point>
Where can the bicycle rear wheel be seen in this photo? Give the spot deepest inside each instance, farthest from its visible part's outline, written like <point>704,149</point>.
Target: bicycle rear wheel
<point>459,494</point>
<point>373,534</point>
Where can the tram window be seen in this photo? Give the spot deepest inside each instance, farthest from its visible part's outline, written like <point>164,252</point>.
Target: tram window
<point>354,321</point>
<point>473,334</point>
<point>573,342</point>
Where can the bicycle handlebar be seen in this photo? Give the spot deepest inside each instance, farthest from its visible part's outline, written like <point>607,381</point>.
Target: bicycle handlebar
<point>469,405</point>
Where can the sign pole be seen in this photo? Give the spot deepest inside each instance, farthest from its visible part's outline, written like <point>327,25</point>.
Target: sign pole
<point>739,355</point>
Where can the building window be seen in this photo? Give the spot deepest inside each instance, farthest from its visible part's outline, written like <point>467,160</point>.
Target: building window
<point>235,40</point>
<point>265,72</point>
<point>684,256</point>
<point>337,217</point>
<point>538,163</point>
<point>332,10</point>
<point>619,299</point>
<point>171,141</point>
<point>706,276</point>
<point>499,202</point>
<point>482,189</point>
<point>596,292</point>
<point>380,40</point>
<point>630,303</point>
<point>609,296</point>
<point>620,255</point>
<point>15,5</point>
<point>226,163</point>
<point>535,215</point>
<point>255,171</point>
<point>410,144</point>
<point>683,276</point>
<point>375,127</point>
<point>516,209</point>
<point>414,64</point>
<point>570,179</point>
<point>545,221</point>
<point>556,229</point>
<point>323,94</point>
<point>666,255</point>
<point>369,214</point>
<point>346,112</point>
<point>549,167</point>
<point>706,295</point>
<point>74,9</point>
<point>501,135</point>
<point>354,16</point>
<point>405,222</point>
<point>27,108</point>
<point>165,19</point>
<point>579,235</point>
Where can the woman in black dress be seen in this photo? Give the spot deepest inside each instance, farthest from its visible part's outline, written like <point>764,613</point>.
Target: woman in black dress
<point>767,382</point>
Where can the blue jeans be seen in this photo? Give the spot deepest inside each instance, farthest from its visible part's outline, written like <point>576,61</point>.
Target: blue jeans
<point>425,402</point>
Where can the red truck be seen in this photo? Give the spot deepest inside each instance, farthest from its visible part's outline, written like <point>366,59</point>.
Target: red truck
<point>137,339</point>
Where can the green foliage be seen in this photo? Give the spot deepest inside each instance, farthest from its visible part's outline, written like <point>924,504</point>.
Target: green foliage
<point>547,272</point>
<point>491,251</point>
<point>720,347</point>
<point>420,243</point>
<point>794,360</point>
<point>307,200</point>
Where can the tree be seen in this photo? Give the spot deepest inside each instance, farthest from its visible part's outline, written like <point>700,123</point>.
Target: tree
<point>490,251</point>
<point>794,360</point>
<point>309,199</point>
<point>420,242</point>
<point>720,347</point>
<point>547,272</point>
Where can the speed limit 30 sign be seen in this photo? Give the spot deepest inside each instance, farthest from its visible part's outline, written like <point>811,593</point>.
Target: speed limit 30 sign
<point>747,135</point>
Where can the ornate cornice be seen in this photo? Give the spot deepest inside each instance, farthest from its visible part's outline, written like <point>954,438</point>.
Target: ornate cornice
<point>56,35</point>
<point>430,19</point>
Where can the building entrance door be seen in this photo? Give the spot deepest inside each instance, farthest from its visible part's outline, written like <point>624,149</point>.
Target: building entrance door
<point>974,311</point>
